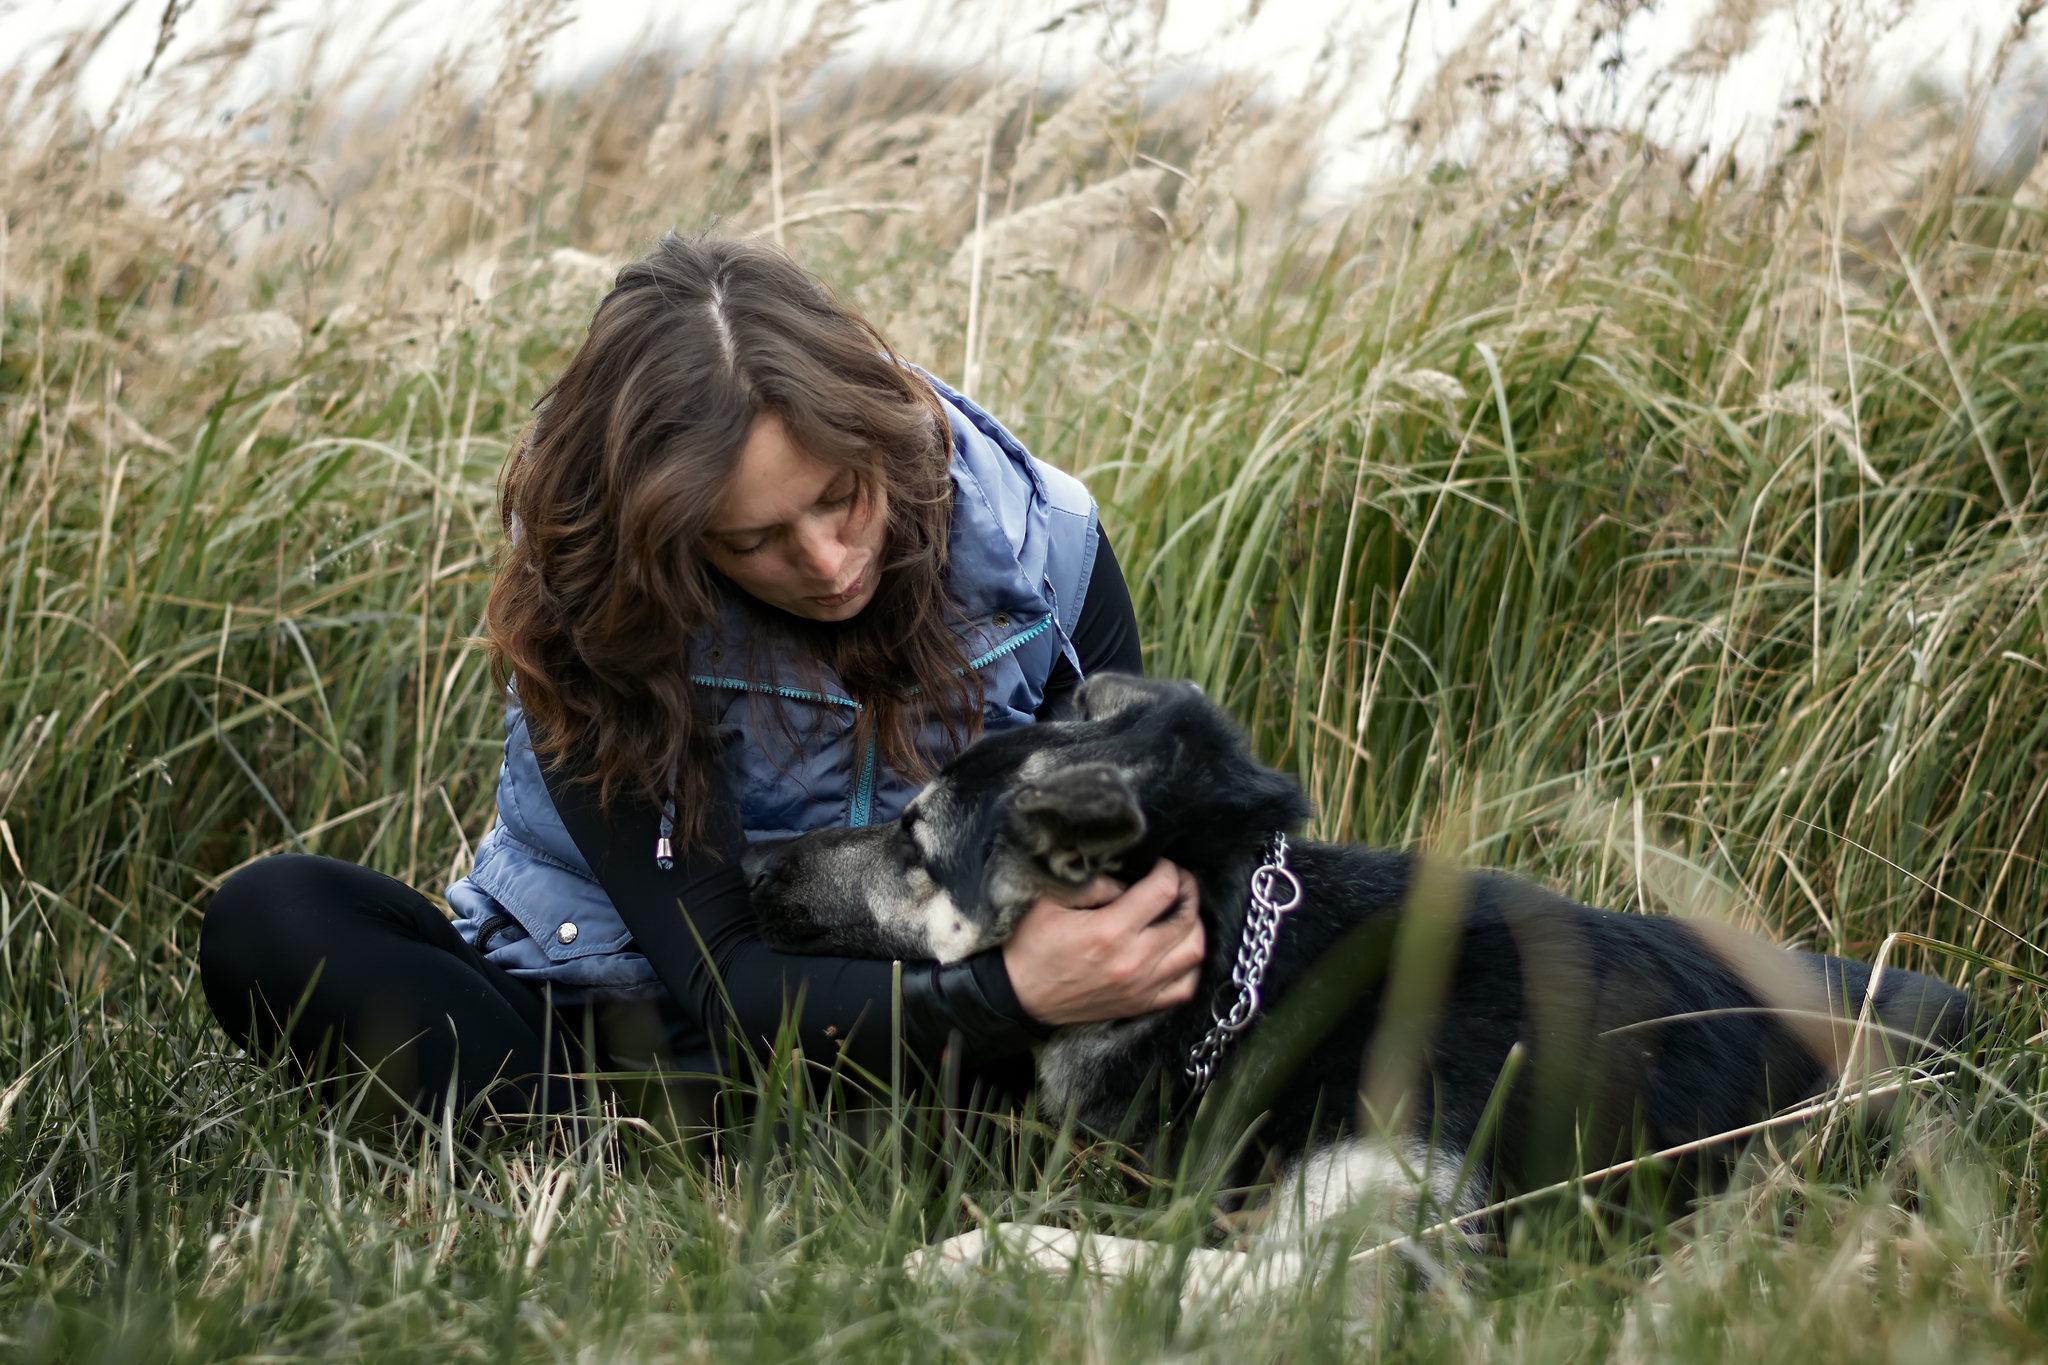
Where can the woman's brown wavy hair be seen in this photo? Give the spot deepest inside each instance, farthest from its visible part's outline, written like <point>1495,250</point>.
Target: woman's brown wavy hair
<point>602,588</point>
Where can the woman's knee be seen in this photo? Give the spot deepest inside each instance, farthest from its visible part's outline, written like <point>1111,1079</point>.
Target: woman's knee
<point>273,922</point>
<point>255,902</point>
<point>290,893</point>
<point>261,884</point>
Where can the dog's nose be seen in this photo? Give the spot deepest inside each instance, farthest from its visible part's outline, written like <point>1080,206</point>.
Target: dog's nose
<point>761,861</point>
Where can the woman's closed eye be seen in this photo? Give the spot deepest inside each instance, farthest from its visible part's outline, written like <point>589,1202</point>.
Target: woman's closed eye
<point>753,542</point>
<point>843,492</point>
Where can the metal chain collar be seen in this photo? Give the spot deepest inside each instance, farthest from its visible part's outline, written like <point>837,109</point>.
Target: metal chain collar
<point>1254,954</point>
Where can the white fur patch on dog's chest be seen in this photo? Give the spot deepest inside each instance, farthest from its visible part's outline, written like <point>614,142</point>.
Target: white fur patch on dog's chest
<point>952,935</point>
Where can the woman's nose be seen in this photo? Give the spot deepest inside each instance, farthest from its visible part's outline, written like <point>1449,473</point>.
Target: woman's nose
<point>819,551</point>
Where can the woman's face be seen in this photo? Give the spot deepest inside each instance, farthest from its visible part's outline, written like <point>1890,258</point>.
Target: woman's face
<point>795,532</point>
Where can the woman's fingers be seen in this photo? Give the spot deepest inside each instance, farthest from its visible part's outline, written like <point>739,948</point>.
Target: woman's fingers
<point>1177,992</point>
<point>1146,899</point>
<point>1146,935</point>
<point>1174,930</point>
<point>1181,962</point>
<point>1140,951</point>
<point>1098,893</point>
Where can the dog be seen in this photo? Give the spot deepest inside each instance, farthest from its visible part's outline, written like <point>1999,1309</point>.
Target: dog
<point>1477,1035</point>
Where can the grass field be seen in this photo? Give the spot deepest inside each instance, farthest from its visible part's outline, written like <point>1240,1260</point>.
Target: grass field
<point>1671,532</point>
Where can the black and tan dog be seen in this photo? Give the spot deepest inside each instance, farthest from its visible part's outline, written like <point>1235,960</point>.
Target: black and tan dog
<point>1638,1032</point>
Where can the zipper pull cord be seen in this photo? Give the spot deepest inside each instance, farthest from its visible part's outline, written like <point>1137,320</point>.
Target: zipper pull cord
<point>664,853</point>
<point>1073,656</point>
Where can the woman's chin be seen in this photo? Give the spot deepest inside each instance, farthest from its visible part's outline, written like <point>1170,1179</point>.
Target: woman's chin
<point>842,613</point>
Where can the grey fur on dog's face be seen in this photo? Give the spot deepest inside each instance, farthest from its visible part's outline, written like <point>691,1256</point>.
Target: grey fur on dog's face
<point>1021,815</point>
<point>858,893</point>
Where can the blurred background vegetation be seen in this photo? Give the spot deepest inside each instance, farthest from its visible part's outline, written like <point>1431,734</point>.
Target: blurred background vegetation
<point>1664,527</point>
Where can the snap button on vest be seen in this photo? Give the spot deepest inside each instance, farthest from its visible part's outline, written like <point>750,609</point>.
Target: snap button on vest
<point>1001,620</point>
<point>566,934</point>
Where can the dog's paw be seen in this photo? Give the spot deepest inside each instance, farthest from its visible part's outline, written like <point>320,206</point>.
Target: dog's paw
<point>950,1260</point>
<point>1053,1250</point>
<point>1209,1278</point>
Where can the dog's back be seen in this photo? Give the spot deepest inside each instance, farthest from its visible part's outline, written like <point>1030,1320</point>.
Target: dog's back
<point>1638,1032</point>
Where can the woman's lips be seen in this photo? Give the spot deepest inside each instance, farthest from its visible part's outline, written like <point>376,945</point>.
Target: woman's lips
<point>842,598</point>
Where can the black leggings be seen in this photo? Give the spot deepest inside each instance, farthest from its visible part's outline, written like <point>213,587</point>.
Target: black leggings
<point>316,952</point>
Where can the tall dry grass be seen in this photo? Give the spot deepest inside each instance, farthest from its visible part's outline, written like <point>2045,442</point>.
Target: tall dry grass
<point>1664,527</point>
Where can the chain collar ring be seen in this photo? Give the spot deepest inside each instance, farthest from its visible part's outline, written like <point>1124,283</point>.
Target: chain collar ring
<point>1275,890</point>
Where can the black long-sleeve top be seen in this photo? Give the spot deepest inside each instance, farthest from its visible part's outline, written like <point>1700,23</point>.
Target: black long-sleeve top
<point>845,1001</point>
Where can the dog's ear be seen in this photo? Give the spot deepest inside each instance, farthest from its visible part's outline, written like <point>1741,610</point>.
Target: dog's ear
<point>1104,695</point>
<point>1074,821</point>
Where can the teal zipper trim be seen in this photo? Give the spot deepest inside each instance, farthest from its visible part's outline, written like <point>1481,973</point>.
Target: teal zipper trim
<point>863,807</point>
<point>1015,642</point>
<point>792,693</point>
<point>864,794</point>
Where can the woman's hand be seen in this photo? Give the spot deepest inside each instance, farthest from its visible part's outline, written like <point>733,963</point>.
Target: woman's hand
<point>1073,965</point>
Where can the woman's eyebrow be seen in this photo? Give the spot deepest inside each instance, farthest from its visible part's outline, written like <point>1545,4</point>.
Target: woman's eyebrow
<point>754,530</point>
<point>743,530</point>
<point>823,494</point>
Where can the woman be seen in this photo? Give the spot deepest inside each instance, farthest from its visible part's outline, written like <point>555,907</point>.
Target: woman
<point>762,578</point>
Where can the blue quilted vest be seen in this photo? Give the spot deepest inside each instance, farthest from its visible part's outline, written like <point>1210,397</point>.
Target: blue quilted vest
<point>1022,548</point>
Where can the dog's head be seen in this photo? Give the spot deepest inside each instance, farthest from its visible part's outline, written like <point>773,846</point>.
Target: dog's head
<point>1139,770</point>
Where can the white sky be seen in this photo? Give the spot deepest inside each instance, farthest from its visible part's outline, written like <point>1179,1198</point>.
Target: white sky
<point>1947,38</point>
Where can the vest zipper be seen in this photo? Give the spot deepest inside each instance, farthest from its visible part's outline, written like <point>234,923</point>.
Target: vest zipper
<point>792,693</point>
<point>864,794</point>
<point>863,805</point>
<point>1015,642</point>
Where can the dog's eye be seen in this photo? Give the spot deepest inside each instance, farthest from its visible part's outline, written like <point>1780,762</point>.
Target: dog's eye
<point>908,854</point>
